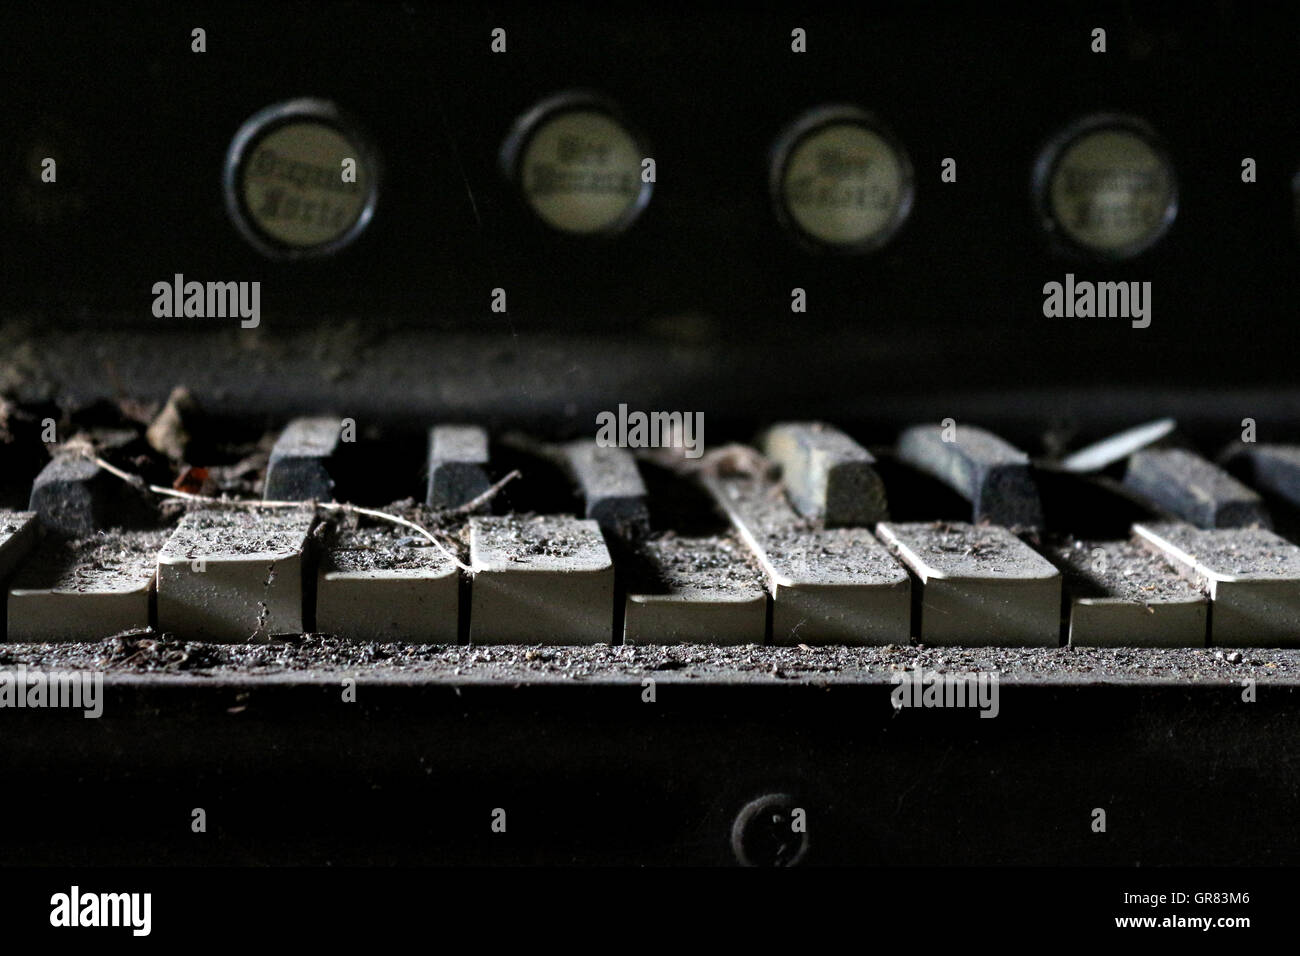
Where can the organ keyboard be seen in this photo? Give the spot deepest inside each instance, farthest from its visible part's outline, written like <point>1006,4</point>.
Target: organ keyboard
<point>815,531</point>
<point>693,586</point>
<point>395,536</point>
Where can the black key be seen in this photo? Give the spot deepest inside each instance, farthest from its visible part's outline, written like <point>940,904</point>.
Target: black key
<point>1274,469</point>
<point>1189,487</point>
<point>458,459</point>
<point>611,487</point>
<point>73,496</point>
<point>992,475</point>
<point>827,474</point>
<point>300,465</point>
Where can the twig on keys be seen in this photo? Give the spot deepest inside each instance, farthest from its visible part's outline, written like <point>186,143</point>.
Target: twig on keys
<point>139,482</point>
<point>486,496</point>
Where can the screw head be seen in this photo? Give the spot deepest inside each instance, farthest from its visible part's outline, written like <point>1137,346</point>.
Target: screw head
<point>765,834</point>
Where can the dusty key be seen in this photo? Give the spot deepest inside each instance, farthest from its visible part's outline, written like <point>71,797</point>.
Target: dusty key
<point>369,587</point>
<point>299,468</point>
<point>73,496</point>
<point>85,590</point>
<point>992,475</point>
<point>827,474</point>
<point>1252,577</point>
<point>611,487</point>
<point>540,580</point>
<point>828,586</point>
<point>705,593</point>
<point>458,458</point>
<point>233,575</point>
<point>19,532</point>
<point>1189,487</point>
<point>1119,594</point>
<point>979,585</point>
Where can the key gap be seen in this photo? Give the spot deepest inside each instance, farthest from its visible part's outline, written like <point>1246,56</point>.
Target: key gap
<point>1092,508</point>
<point>914,495</point>
<point>543,486</point>
<point>380,468</point>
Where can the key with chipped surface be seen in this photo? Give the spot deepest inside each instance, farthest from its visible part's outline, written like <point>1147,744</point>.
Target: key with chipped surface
<point>1193,489</point>
<point>458,460</point>
<point>299,467</point>
<point>828,585</point>
<point>84,590</point>
<point>369,587</point>
<point>704,592</point>
<point>1251,575</point>
<point>994,476</point>
<point>611,487</point>
<point>232,575</point>
<point>1119,594</point>
<point>540,580</point>
<point>979,585</point>
<point>827,474</point>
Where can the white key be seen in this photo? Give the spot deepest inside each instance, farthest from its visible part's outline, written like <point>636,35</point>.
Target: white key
<point>1251,575</point>
<point>1121,595</point>
<point>708,594</point>
<point>540,580</point>
<point>836,586</point>
<point>980,585</point>
<point>234,575</point>
<point>85,590</point>
<point>368,588</point>
<point>19,531</point>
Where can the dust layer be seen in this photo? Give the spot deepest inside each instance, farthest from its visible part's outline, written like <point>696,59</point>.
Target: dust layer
<point>1119,569</point>
<point>219,533</point>
<point>525,539</point>
<point>803,549</point>
<point>117,561</point>
<point>318,659</point>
